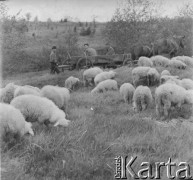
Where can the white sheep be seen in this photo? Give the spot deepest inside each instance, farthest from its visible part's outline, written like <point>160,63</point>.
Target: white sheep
<point>185,59</point>
<point>21,90</point>
<point>142,98</point>
<point>36,108</point>
<point>185,83</point>
<point>174,63</point>
<point>160,61</point>
<point>59,95</point>
<point>71,82</point>
<point>104,76</point>
<point>165,72</point>
<point>13,121</point>
<point>166,78</point>
<point>189,96</point>
<point>89,75</point>
<point>7,93</point>
<point>127,91</point>
<point>168,95</point>
<point>139,75</point>
<point>145,61</point>
<point>153,77</point>
<point>105,85</point>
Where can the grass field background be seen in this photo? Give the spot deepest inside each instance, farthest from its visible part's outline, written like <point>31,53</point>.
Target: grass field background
<point>87,148</point>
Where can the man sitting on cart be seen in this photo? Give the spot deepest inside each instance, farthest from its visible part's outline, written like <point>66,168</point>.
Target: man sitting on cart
<point>90,52</point>
<point>53,61</point>
<point>110,50</point>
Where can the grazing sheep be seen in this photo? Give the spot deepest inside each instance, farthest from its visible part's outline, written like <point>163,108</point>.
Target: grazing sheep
<point>127,91</point>
<point>104,76</point>
<point>59,95</point>
<point>36,108</point>
<point>139,76</point>
<point>165,72</point>
<point>166,78</point>
<point>71,82</point>
<point>168,95</point>
<point>186,83</point>
<point>189,96</point>
<point>145,61</point>
<point>185,59</point>
<point>89,75</point>
<point>174,63</point>
<point>105,85</point>
<point>142,98</point>
<point>7,93</point>
<point>21,90</point>
<point>153,77</point>
<point>160,61</point>
<point>13,121</point>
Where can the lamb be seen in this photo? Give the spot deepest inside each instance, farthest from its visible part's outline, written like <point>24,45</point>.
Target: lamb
<point>105,85</point>
<point>89,75</point>
<point>13,121</point>
<point>145,61</point>
<point>41,109</point>
<point>71,82</point>
<point>139,75</point>
<point>104,76</point>
<point>21,90</point>
<point>167,95</point>
<point>127,91</point>
<point>165,72</point>
<point>142,98</point>
<point>153,77</point>
<point>174,63</point>
<point>59,95</point>
<point>160,61</point>
<point>185,59</point>
<point>7,93</point>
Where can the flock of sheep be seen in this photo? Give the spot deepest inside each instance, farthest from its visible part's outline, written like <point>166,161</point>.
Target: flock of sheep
<point>22,105</point>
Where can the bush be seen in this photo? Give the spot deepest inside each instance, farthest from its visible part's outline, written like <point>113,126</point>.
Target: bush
<point>85,32</point>
<point>132,25</point>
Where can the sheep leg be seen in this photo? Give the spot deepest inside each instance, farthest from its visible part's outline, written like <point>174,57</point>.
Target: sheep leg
<point>143,103</point>
<point>166,108</point>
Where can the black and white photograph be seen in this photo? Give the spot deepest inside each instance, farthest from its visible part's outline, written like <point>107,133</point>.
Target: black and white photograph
<point>96,89</point>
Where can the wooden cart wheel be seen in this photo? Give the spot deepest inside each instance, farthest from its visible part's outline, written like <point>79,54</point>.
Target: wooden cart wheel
<point>128,62</point>
<point>82,63</point>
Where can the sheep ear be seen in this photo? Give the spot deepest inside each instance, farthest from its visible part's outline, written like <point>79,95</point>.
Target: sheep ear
<point>56,124</point>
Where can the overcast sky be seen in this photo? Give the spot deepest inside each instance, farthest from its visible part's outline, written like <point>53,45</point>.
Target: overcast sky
<point>84,10</point>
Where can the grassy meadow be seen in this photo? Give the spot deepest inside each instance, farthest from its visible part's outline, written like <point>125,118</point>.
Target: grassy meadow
<point>87,148</point>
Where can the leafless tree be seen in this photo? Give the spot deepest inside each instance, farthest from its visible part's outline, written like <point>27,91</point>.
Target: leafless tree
<point>186,10</point>
<point>49,22</point>
<point>28,16</point>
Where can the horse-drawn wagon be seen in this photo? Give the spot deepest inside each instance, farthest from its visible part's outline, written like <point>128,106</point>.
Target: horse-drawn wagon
<point>101,60</point>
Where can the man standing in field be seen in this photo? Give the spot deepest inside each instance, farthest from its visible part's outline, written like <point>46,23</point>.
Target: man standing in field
<point>53,61</point>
